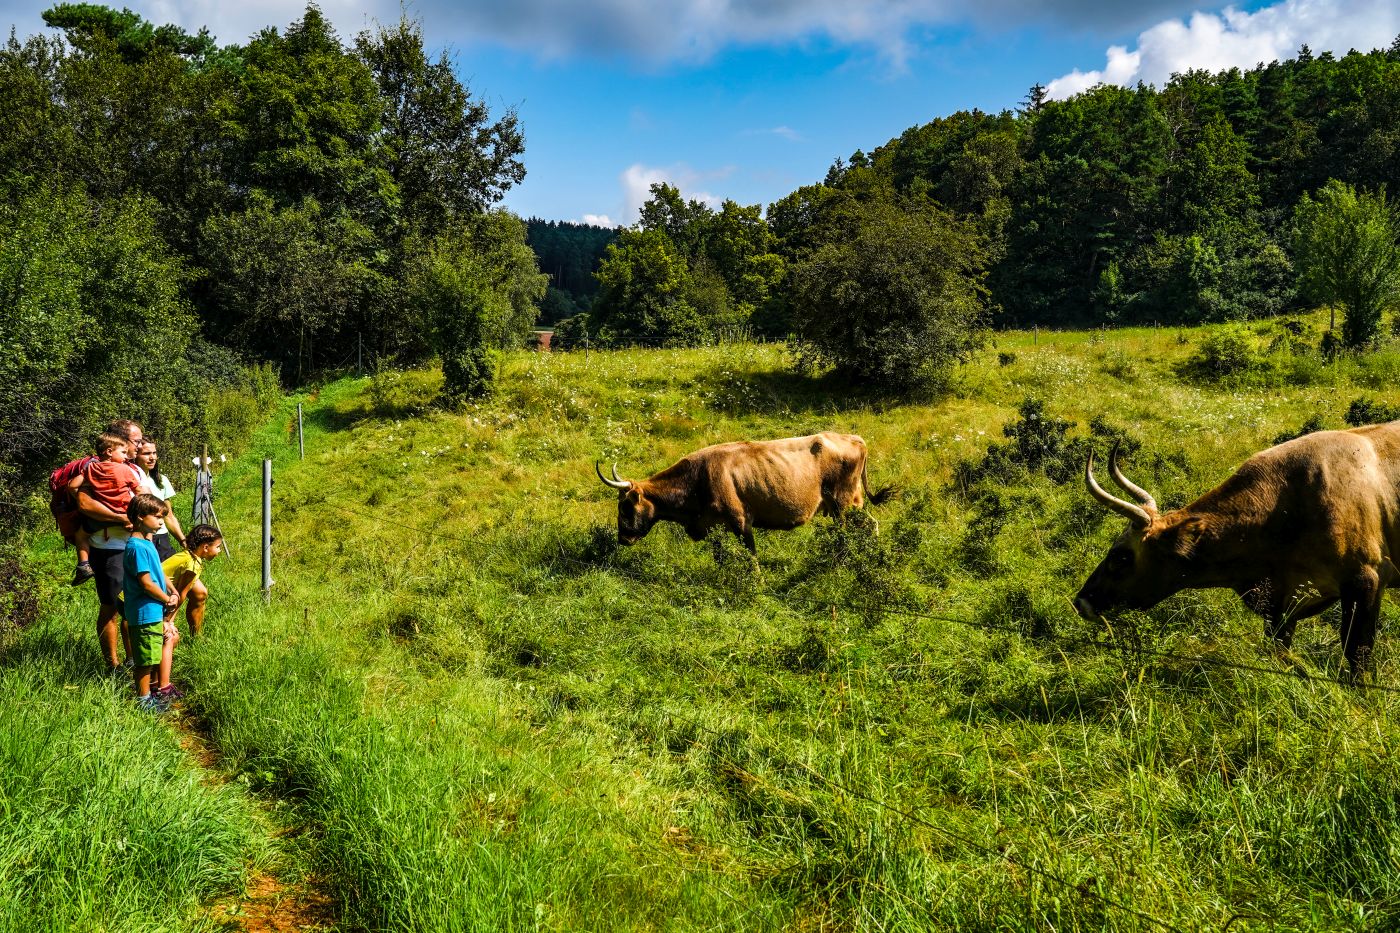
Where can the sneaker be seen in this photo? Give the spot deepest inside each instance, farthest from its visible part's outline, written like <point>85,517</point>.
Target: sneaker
<point>120,670</point>
<point>170,692</point>
<point>153,703</point>
<point>81,574</point>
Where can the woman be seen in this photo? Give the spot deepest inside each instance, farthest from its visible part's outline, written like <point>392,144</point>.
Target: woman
<point>158,484</point>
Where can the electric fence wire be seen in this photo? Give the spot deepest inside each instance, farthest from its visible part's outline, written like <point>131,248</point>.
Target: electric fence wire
<point>890,609</point>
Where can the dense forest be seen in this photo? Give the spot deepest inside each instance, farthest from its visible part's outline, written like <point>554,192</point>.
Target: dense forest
<point>1116,206</point>
<point>183,222</point>
<point>569,253</point>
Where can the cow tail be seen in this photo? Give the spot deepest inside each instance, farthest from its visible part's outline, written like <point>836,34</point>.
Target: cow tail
<point>879,496</point>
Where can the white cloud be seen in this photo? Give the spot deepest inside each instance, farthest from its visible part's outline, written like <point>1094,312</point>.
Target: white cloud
<point>1236,39</point>
<point>651,30</point>
<point>637,180</point>
<point>597,220</point>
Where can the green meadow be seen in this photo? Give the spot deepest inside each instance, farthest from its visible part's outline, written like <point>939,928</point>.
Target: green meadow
<point>465,707</point>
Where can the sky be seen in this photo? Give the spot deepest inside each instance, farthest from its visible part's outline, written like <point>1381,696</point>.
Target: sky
<point>749,99</point>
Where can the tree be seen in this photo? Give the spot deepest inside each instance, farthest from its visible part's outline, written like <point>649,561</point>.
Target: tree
<point>448,159</point>
<point>682,221</point>
<point>642,298</point>
<point>91,296</point>
<point>476,288</point>
<point>309,120</point>
<point>89,24</point>
<point>895,301</point>
<point>283,280</point>
<point>1347,253</point>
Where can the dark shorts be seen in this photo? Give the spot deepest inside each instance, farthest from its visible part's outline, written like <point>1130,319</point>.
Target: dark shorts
<point>163,547</point>
<point>92,526</point>
<point>108,574</point>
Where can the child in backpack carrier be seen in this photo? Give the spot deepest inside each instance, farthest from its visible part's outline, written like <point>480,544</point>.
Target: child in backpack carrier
<point>110,483</point>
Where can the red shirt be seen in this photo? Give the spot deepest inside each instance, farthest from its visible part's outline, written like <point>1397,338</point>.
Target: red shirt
<point>112,484</point>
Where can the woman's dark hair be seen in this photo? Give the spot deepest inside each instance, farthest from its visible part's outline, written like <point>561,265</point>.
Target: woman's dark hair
<point>201,534</point>
<point>157,477</point>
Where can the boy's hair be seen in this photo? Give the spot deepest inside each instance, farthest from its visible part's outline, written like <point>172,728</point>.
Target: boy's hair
<point>110,440</point>
<point>143,504</point>
<point>201,534</point>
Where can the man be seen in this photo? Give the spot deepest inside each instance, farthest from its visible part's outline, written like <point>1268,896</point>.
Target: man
<point>107,551</point>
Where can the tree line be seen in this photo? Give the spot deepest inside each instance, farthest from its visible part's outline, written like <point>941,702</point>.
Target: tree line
<point>181,219</point>
<point>569,253</point>
<point>1206,200</point>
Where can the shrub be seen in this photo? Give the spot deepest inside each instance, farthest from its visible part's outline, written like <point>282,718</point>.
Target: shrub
<point>571,333</point>
<point>894,299</point>
<point>1227,352</point>
<point>1367,411</point>
<point>1313,424</point>
<point>1040,443</point>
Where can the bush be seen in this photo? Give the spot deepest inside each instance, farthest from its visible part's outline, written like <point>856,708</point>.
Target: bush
<point>1226,352</point>
<point>1367,411</point>
<point>1041,444</point>
<point>894,302</point>
<point>1313,424</point>
<point>571,333</point>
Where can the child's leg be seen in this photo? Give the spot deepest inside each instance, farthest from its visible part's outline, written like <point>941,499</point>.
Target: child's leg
<point>167,656</point>
<point>83,572</point>
<point>194,610</point>
<point>142,675</point>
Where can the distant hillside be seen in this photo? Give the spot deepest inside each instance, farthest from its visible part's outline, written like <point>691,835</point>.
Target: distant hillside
<point>569,253</point>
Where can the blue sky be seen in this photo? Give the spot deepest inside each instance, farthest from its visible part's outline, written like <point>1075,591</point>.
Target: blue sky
<point>748,99</point>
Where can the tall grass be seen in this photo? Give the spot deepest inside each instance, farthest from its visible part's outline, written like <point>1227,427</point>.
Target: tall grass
<point>105,824</point>
<point>494,717</point>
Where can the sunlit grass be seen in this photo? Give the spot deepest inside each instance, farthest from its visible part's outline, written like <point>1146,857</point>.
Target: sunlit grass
<point>493,717</point>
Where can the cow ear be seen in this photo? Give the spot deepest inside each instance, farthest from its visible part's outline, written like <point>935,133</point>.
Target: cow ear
<point>1186,535</point>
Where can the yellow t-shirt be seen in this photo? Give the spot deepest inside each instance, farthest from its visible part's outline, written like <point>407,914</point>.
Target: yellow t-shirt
<point>176,564</point>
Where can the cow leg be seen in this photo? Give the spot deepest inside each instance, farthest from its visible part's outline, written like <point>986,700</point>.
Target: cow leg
<point>1361,610</point>
<point>747,536</point>
<point>1280,628</point>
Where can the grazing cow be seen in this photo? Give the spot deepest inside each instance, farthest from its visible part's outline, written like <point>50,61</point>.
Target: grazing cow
<point>1295,529</point>
<point>746,485</point>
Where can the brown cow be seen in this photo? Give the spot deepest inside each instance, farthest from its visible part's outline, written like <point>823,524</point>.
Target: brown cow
<point>1295,529</point>
<point>746,485</point>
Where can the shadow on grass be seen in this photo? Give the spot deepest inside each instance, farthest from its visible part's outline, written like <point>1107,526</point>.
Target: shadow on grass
<point>771,392</point>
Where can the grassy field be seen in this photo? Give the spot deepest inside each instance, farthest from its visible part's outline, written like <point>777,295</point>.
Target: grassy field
<point>466,708</point>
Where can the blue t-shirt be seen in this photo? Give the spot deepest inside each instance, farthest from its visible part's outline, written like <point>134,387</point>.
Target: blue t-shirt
<point>141,607</point>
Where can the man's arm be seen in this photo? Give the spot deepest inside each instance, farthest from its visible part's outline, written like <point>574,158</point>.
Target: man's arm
<point>91,507</point>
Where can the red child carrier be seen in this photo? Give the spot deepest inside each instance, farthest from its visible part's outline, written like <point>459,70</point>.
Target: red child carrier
<point>61,504</point>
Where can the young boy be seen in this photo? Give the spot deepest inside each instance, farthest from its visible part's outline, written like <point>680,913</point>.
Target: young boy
<point>147,597</point>
<point>182,570</point>
<point>111,483</point>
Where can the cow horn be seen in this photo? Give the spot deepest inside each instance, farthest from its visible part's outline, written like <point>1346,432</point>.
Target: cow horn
<point>1135,514</point>
<point>1143,497</point>
<point>615,483</point>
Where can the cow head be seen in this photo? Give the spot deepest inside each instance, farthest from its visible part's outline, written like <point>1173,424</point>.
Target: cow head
<point>635,513</point>
<point>1148,562</point>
